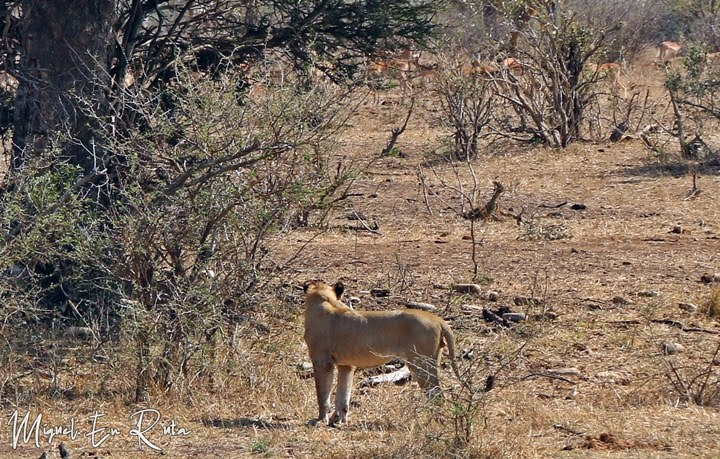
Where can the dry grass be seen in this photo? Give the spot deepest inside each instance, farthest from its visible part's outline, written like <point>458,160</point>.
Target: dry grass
<point>621,405</point>
<point>712,305</point>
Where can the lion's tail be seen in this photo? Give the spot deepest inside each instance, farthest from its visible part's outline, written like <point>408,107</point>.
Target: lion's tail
<point>449,339</point>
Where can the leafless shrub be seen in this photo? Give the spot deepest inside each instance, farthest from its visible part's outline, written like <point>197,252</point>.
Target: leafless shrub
<point>546,81</point>
<point>693,384</point>
<point>466,101</point>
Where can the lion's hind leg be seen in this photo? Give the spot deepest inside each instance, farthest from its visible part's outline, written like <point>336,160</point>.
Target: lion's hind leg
<point>424,370</point>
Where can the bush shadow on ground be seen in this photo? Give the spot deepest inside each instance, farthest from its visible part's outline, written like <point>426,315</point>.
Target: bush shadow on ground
<point>678,168</point>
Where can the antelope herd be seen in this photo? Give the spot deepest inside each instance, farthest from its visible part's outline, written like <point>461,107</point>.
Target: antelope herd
<point>406,68</point>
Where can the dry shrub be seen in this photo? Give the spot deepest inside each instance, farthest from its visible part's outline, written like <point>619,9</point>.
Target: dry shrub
<point>204,177</point>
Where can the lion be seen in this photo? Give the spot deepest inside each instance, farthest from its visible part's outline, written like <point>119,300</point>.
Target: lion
<point>338,336</point>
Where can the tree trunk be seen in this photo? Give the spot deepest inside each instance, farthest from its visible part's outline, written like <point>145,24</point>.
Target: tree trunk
<point>63,73</point>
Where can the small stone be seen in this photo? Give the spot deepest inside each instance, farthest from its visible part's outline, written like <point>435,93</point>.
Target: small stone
<point>422,306</point>
<point>471,308</point>
<point>578,206</point>
<point>689,307</point>
<point>708,278</point>
<point>305,367</point>
<point>677,229</point>
<point>493,296</point>
<point>671,348</point>
<point>611,377</point>
<point>570,371</point>
<point>514,316</point>
<point>471,289</point>
<point>379,292</point>
<point>620,301</point>
<point>649,293</point>
<point>353,300</point>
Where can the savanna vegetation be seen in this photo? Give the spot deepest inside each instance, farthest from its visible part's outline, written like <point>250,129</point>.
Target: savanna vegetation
<point>542,174</point>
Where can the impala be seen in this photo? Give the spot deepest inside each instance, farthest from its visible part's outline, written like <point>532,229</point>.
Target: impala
<point>668,50</point>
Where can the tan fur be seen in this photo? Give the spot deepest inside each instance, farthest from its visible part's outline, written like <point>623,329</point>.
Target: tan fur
<point>338,336</point>
<point>668,50</point>
<point>611,71</point>
<point>400,65</point>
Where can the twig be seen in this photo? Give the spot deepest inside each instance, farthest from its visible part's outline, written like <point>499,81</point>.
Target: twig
<point>421,177</point>
<point>362,222</point>
<point>568,430</point>
<point>681,326</point>
<point>547,375</point>
<point>397,132</point>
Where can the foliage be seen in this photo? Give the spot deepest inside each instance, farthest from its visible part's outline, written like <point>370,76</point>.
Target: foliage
<point>182,253</point>
<point>693,93</point>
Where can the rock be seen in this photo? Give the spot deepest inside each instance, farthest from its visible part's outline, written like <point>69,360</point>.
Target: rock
<point>708,278</point>
<point>689,307</point>
<point>527,301</point>
<point>570,371</point>
<point>422,306</point>
<point>514,316</point>
<point>611,377</point>
<point>648,293</point>
<point>79,332</point>
<point>493,296</point>
<point>379,292</point>
<point>677,229</point>
<point>620,301</point>
<point>470,289</point>
<point>671,348</point>
<point>64,453</point>
<point>578,206</point>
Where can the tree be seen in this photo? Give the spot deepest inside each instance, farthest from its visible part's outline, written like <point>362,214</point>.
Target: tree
<point>73,53</point>
<point>64,50</point>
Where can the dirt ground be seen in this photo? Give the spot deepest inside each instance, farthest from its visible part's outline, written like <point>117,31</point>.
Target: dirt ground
<point>634,253</point>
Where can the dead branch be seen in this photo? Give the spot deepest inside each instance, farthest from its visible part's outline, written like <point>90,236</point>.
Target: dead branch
<point>488,211</point>
<point>395,133</point>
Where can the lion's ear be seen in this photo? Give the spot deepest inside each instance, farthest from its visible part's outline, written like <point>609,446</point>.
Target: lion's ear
<point>339,288</point>
<point>306,286</point>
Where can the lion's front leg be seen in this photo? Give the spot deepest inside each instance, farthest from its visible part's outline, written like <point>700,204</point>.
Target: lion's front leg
<point>342,398</point>
<point>324,371</point>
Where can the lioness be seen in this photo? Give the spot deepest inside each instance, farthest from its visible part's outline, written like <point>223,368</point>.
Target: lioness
<point>339,336</point>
